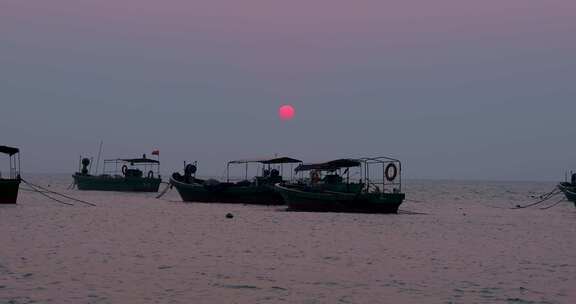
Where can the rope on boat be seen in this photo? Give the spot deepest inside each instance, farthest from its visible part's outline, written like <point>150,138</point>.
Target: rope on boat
<point>553,205</point>
<point>548,194</point>
<point>413,200</point>
<point>543,198</point>
<point>168,187</point>
<point>46,195</point>
<point>411,212</point>
<point>30,190</point>
<point>56,193</point>
<point>71,185</point>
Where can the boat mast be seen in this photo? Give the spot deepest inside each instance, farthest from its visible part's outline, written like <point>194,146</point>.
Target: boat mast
<point>228,172</point>
<point>19,172</point>
<point>91,161</point>
<point>12,169</point>
<point>99,153</point>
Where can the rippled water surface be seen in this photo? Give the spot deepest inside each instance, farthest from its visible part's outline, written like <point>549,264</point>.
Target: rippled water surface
<point>467,246</point>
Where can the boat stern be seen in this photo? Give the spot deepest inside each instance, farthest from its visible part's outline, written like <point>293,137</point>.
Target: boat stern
<point>9,191</point>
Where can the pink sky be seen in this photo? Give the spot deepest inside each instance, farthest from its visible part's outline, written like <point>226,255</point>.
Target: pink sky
<point>443,68</point>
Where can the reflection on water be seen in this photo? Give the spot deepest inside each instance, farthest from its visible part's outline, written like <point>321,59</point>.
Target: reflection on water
<point>468,247</point>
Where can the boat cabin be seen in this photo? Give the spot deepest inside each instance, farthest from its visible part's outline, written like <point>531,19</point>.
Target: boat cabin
<point>14,163</point>
<point>132,167</point>
<point>332,175</point>
<point>271,169</point>
<point>353,175</point>
<point>10,180</point>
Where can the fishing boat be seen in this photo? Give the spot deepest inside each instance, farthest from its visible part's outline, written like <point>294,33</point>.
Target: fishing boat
<point>330,187</point>
<point>120,175</point>
<point>259,190</point>
<point>569,188</point>
<point>10,184</point>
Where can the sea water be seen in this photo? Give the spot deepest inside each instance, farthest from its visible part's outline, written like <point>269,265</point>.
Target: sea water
<point>464,245</point>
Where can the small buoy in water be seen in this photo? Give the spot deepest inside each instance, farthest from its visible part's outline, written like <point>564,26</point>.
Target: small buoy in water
<point>229,215</point>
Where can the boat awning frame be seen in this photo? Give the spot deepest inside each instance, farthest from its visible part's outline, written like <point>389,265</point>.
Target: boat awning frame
<point>332,165</point>
<point>267,161</point>
<point>141,161</point>
<point>9,150</point>
<point>134,160</point>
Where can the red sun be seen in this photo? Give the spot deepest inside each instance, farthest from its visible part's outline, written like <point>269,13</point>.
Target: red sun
<point>286,112</point>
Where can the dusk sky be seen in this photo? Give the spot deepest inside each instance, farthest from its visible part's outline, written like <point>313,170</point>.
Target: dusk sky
<point>455,89</point>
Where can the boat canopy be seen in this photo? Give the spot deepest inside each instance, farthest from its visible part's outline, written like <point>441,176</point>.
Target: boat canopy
<point>132,160</point>
<point>330,166</point>
<point>266,161</point>
<point>8,150</point>
<point>140,160</point>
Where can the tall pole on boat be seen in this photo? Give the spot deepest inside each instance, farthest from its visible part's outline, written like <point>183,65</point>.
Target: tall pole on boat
<point>228,172</point>
<point>99,153</point>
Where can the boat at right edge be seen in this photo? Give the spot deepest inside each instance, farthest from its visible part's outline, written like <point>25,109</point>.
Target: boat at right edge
<point>331,188</point>
<point>569,188</point>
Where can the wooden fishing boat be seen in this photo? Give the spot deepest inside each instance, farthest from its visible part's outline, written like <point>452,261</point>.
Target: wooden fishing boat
<point>121,175</point>
<point>569,189</point>
<point>10,184</point>
<point>330,189</point>
<point>260,190</point>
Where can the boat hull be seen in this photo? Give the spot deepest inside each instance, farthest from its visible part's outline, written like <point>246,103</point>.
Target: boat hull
<point>122,184</point>
<point>9,190</point>
<point>569,191</point>
<point>326,201</point>
<point>226,193</point>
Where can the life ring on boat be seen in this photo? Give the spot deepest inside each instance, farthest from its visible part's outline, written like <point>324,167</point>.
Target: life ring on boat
<point>391,172</point>
<point>124,169</point>
<point>150,174</point>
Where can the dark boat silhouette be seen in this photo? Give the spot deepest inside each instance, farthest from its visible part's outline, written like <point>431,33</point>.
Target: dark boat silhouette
<point>259,190</point>
<point>569,188</point>
<point>330,189</point>
<point>122,175</point>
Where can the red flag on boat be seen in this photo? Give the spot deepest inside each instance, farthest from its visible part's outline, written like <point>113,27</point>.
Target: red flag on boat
<point>156,152</point>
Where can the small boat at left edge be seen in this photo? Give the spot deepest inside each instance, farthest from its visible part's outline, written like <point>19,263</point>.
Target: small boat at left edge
<point>10,184</point>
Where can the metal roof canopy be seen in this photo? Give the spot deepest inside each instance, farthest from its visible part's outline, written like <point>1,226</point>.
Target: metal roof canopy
<point>133,160</point>
<point>9,150</point>
<point>331,165</point>
<point>140,161</point>
<point>266,161</point>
